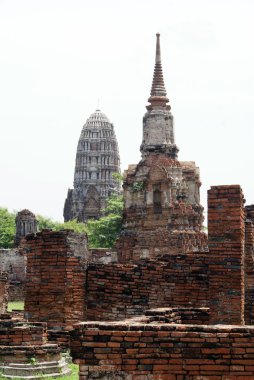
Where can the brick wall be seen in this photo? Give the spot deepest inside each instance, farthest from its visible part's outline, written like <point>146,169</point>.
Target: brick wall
<point>249,272</point>
<point>185,315</point>
<point>3,292</point>
<point>226,244</point>
<point>15,333</point>
<point>61,291</point>
<point>103,255</point>
<point>117,291</point>
<point>55,282</point>
<point>139,350</point>
<point>214,279</point>
<point>13,261</point>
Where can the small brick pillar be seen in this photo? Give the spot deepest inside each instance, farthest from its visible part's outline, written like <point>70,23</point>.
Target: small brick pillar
<point>249,267</point>
<point>226,245</point>
<point>55,282</point>
<point>3,292</point>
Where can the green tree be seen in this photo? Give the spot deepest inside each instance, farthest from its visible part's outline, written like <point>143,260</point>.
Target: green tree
<point>7,228</point>
<point>74,225</point>
<point>114,205</point>
<point>102,233</point>
<point>47,223</point>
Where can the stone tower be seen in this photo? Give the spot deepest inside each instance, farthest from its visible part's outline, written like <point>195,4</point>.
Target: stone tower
<point>162,211</point>
<point>26,223</point>
<point>97,160</point>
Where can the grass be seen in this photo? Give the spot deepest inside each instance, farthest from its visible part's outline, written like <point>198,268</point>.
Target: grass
<point>15,305</point>
<point>72,376</point>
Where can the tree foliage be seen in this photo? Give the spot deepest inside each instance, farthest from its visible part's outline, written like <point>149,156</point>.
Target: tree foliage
<point>47,223</point>
<point>7,228</point>
<point>102,233</point>
<point>114,205</point>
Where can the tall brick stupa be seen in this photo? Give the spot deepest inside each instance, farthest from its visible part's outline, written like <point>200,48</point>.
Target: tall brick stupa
<point>97,159</point>
<point>162,211</point>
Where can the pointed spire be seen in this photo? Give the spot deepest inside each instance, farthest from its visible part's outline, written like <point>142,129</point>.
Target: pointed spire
<point>158,92</point>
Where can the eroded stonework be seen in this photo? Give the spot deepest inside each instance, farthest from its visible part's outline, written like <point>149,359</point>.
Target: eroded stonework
<point>97,159</point>
<point>26,223</point>
<point>162,211</point>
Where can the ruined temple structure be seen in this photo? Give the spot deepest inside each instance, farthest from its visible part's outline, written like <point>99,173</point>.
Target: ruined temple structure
<point>97,159</point>
<point>162,212</point>
<point>26,223</point>
<point>169,304</point>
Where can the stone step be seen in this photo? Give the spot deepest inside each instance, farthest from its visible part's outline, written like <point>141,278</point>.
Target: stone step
<point>41,370</point>
<point>38,364</point>
<point>36,377</point>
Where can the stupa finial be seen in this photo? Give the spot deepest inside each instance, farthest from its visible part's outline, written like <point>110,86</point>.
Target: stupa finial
<point>158,92</point>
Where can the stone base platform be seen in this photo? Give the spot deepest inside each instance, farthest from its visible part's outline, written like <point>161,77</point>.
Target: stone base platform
<point>42,370</point>
<point>25,352</point>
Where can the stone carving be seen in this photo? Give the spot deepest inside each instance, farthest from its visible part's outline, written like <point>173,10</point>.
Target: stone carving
<point>97,159</point>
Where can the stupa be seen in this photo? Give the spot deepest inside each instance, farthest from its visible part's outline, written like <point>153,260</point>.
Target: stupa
<point>162,210</point>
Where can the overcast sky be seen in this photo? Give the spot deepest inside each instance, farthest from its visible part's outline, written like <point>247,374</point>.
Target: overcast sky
<point>58,57</point>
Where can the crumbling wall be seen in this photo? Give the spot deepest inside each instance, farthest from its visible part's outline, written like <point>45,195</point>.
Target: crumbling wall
<point>13,262</point>
<point>3,292</point>
<point>117,291</point>
<point>249,265</point>
<point>214,279</point>
<point>21,333</point>
<point>55,282</point>
<point>137,349</point>
<point>103,255</point>
<point>60,290</point>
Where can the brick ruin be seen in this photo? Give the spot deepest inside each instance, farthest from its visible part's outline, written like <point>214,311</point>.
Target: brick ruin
<point>3,292</point>
<point>144,350</point>
<point>13,262</point>
<point>168,302</point>
<point>32,345</point>
<point>26,353</point>
<point>172,315</point>
<point>24,348</point>
<point>55,280</point>
<point>215,279</point>
<point>176,304</point>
